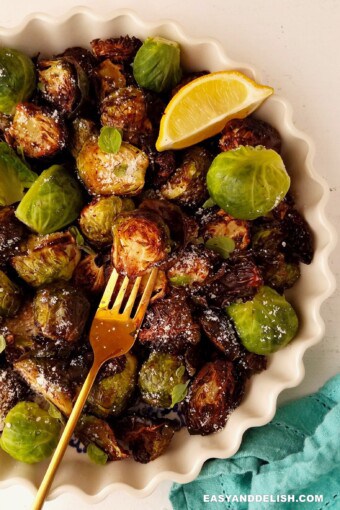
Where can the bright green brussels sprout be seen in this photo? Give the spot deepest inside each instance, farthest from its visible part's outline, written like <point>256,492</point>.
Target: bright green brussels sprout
<point>266,323</point>
<point>97,217</point>
<point>61,311</point>
<point>157,64</point>
<point>248,182</point>
<point>161,379</point>
<point>105,173</point>
<point>15,176</point>
<point>10,296</point>
<point>17,79</point>
<point>46,259</point>
<point>111,394</point>
<point>30,434</point>
<point>52,202</point>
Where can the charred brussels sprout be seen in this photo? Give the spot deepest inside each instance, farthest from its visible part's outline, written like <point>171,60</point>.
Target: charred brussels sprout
<point>52,202</point>
<point>266,323</point>
<point>17,79</point>
<point>119,49</point>
<point>145,439</point>
<point>140,240</point>
<point>12,390</point>
<point>104,173</point>
<point>94,431</point>
<point>38,131</point>
<point>221,224</point>
<point>215,392</point>
<point>192,265</point>
<point>280,274</point>
<point>187,186</point>
<point>111,394</point>
<point>221,332</point>
<point>15,176</point>
<point>159,379</point>
<point>169,325</point>
<point>10,296</point>
<point>89,275</point>
<point>61,311</point>
<point>45,259</point>
<point>30,433</point>
<point>96,219</point>
<point>12,232</point>
<point>48,377</point>
<point>81,130</point>
<point>63,83</point>
<point>157,64</point>
<point>109,76</point>
<point>248,182</point>
<point>126,108</point>
<point>249,131</point>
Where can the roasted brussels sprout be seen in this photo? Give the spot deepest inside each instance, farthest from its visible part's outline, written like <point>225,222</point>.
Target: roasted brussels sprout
<point>52,202</point>
<point>126,109</point>
<point>146,440</point>
<point>215,392</point>
<point>160,286</point>
<point>15,176</point>
<point>236,278</point>
<point>280,274</point>
<point>187,186</point>
<point>48,377</point>
<point>262,181</point>
<point>38,131</point>
<point>249,131</point>
<point>63,83</point>
<point>104,173</point>
<point>221,224</point>
<point>110,395</point>
<point>17,79</point>
<point>93,430</point>
<point>168,325</point>
<point>298,238</point>
<point>220,330</point>
<point>10,296</point>
<point>45,259</point>
<point>140,240</point>
<point>267,242</point>
<point>164,165</point>
<point>157,64</point>
<point>192,265</point>
<point>89,275</point>
<point>109,77</point>
<point>97,218</point>
<point>30,433</point>
<point>120,49</point>
<point>60,311</point>
<point>12,232</point>
<point>159,379</point>
<point>20,331</point>
<point>266,323</point>
<point>12,390</point>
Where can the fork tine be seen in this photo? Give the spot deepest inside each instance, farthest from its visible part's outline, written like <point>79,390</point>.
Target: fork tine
<point>143,304</point>
<point>105,301</point>
<point>132,297</point>
<point>120,296</point>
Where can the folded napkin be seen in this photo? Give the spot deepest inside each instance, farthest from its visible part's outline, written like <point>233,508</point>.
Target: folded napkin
<point>297,454</point>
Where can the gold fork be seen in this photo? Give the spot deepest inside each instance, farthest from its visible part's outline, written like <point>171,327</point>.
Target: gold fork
<point>113,333</point>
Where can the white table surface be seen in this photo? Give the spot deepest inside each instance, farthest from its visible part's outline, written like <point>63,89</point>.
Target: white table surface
<point>295,44</point>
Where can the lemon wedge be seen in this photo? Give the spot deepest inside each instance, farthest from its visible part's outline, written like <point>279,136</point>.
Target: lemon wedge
<point>201,108</point>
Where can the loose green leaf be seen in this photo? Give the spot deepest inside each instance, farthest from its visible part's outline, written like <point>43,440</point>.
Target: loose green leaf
<point>15,176</point>
<point>110,139</point>
<point>54,412</point>
<point>180,280</point>
<point>75,232</point>
<point>208,203</point>
<point>96,455</point>
<point>221,244</point>
<point>2,343</point>
<point>180,371</point>
<point>179,393</point>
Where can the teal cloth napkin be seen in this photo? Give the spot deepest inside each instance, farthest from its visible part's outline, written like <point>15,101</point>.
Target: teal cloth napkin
<point>297,453</point>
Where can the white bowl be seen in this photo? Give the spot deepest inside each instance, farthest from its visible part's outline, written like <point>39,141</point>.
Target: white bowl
<point>184,459</point>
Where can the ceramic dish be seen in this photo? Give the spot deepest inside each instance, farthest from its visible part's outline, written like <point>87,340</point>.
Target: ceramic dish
<point>184,458</point>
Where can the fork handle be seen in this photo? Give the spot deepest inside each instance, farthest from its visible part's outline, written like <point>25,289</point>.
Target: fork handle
<point>65,437</point>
